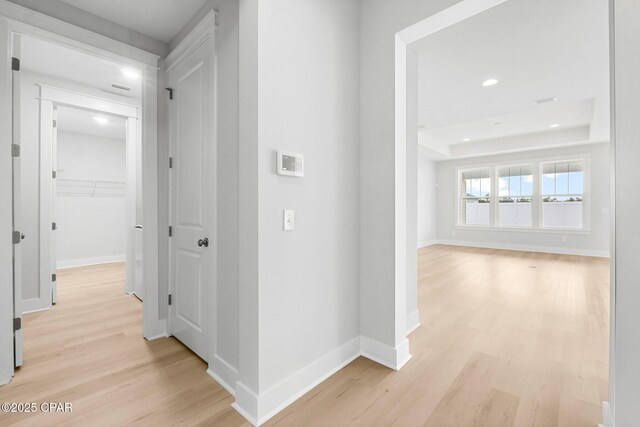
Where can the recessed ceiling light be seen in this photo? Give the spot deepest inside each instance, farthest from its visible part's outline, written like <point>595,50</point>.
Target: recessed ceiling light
<point>100,120</point>
<point>555,125</point>
<point>130,73</point>
<point>489,82</point>
<point>466,139</point>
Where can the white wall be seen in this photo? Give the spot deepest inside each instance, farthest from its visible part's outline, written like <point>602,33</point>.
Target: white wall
<point>380,20</point>
<point>90,229</point>
<point>594,242</point>
<point>30,175</point>
<point>307,83</point>
<point>427,198</point>
<point>624,384</point>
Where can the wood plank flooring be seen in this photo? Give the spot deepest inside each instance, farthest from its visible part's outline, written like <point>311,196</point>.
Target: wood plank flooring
<point>507,339</point>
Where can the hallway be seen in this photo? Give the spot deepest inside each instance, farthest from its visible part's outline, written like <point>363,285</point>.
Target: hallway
<point>88,350</point>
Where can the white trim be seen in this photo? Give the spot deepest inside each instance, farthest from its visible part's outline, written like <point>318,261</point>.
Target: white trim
<point>81,262</point>
<point>49,28</point>
<point>225,374</point>
<point>276,398</point>
<point>34,305</point>
<point>246,403</point>
<point>85,101</point>
<point>15,18</point>
<point>525,248</point>
<point>199,34</point>
<point>426,243</point>
<point>607,416</point>
<point>403,39</point>
<point>156,337</point>
<point>413,321</point>
<point>394,358</point>
<point>35,311</point>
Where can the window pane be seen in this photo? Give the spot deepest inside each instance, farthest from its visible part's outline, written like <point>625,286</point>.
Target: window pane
<point>485,186</point>
<point>526,188</point>
<point>575,178</point>
<point>548,184</point>
<point>503,186</point>
<point>514,185</point>
<point>562,178</point>
<point>475,187</point>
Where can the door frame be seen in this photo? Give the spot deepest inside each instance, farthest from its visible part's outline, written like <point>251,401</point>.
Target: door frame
<point>20,20</point>
<point>50,98</point>
<point>203,31</point>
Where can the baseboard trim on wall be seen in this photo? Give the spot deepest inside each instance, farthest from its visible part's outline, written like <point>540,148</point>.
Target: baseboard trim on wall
<point>413,321</point>
<point>607,416</point>
<point>34,305</point>
<point>426,243</point>
<point>4,381</point>
<point>391,357</point>
<point>81,262</point>
<point>224,374</point>
<point>258,409</point>
<point>525,248</point>
<point>246,403</point>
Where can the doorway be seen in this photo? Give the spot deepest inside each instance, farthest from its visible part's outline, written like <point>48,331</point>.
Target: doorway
<point>509,122</point>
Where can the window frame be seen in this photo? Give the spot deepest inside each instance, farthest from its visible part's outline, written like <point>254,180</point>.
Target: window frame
<point>584,196</point>
<point>532,197</point>
<point>536,198</point>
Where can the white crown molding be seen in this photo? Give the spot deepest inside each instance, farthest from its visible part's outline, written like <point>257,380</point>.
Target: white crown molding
<point>195,38</point>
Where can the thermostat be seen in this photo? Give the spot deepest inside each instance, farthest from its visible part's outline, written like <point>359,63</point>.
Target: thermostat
<point>290,164</point>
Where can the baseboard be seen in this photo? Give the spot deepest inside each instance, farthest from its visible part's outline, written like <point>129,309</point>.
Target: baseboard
<point>526,248</point>
<point>394,358</point>
<point>259,409</point>
<point>35,304</point>
<point>413,321</point>
<point>224,374</point>
<point>607,416</point>
<point>81,262</point>
<point>426,243</point>
<point>246,403</point>
<point>4,381</point>
<point>157,337</point>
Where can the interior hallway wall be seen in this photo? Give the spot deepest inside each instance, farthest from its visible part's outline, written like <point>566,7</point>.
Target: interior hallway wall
<point>90,229</point>
<point>380,20</point>
<point>427,199</point>
<point>30,173</point>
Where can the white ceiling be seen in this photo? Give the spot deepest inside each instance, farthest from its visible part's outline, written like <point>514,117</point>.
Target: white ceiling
<point>536,49</point>
<point>160,19</point>
<point>81,121</point>
<point>77,68</point>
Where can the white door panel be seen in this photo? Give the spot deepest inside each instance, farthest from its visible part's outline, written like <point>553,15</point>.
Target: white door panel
<point>190,181</point>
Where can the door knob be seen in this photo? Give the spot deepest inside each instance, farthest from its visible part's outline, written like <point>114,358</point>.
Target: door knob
<point>22,236</point>
<point>204,242</point>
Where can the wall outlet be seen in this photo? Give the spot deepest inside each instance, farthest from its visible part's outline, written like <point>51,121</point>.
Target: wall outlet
<point>288,220</point>
<point>564,238</point>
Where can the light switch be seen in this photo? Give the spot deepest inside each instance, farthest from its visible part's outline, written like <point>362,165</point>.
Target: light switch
<point>288,220</point>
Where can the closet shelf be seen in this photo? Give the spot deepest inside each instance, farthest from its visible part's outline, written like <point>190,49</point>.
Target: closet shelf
<point>90,188</point>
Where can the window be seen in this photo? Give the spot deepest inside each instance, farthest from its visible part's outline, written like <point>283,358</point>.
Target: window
<point>562,193</point>
<point>475,197</point>
<point>515,190</point>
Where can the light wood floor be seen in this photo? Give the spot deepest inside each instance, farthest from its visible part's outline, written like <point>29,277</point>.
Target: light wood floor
<point>507,339</point>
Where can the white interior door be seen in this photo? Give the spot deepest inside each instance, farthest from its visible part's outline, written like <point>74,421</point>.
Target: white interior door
<point>191,260</point>
<point>16,202</point>
<point>54,199</point>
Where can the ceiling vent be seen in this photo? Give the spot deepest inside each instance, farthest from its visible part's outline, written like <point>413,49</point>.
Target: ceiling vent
<point>121,87</point>
<point>546,100</point>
